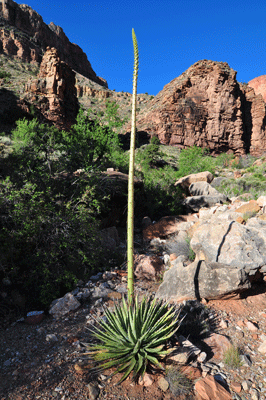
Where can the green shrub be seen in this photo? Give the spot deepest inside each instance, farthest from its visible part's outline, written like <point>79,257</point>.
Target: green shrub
<point>193,160</point>
<point>150,154</point>
<point>179,384</point>
<point>111,115</point>
<point>4,74</point>
<point>232,357</point>
<point>162,197</point>
<point>46,244</point>
<point>88,143</point>
<point>134,336</point>
<point>48,216</point>
<point>255,184</point>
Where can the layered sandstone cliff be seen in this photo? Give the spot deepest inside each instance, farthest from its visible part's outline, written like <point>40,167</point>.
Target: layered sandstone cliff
<point>24,35</point>
<point>207,107</point>
<point>54,93</point>
<point>259,85</point>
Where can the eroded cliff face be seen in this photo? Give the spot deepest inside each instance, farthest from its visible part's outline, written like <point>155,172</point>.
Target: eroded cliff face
<point>54,93</point>
<point>207,107</point>
<point>24,35</point>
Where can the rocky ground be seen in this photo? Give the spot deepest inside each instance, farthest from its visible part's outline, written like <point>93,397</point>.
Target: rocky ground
<point>46,360</point>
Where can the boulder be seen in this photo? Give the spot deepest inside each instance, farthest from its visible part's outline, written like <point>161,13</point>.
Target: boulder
<point>148,267</point>
<point>209,389</point>
<point>252,207</point>
<point>218,345</point>
<point>61,307</point>
<point>202,188</point>
<point>201,280</point>
<point>227,242</point>
<point>195,203</point>
<point>261,201</point>
<point>229,257</point>
<point>168,225</point>
<point>186,181</point>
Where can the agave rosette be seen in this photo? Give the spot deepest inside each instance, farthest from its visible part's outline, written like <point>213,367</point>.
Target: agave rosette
<point>133,336</point>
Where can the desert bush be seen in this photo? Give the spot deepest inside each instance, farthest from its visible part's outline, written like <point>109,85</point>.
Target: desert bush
<point>111,116</point>
<point>255,184</point>
<point>232,357</point>
<point>4,74</point>
<point>46,244</point>
<point>48,216</point>
<point>180,247</point>
<point>149,155</point>
<point>162,197</point>
<point>88,143</point>
<point>193,160</point>
<point>179,384</point>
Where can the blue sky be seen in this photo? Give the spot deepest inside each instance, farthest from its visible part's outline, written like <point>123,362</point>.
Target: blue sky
<point>172,35</point>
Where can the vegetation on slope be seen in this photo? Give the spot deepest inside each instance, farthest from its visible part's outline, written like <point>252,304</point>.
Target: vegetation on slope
<point>50,217</point>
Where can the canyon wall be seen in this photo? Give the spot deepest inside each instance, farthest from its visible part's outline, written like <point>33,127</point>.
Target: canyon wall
<point>24,35</point>
<point>207,107</point>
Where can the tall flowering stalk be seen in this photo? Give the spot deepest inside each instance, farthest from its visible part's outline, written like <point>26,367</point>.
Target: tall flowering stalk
<point>130,215</point>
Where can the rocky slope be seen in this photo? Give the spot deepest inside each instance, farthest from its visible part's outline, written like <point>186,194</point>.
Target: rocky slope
<point>207,107</point>
<point>24,35</point>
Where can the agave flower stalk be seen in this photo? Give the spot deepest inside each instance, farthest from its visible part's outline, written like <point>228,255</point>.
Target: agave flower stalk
<point>130,215</point>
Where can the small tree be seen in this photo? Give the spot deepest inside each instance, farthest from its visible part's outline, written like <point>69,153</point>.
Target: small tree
<point>130,215</point>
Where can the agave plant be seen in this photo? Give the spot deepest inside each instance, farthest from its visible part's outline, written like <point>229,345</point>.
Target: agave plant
<point>133,336</point>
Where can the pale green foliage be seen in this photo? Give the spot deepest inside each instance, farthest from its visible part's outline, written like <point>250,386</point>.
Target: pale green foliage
<point>134,335</point>
<point>89,142</point>
<point>195,159</point>
<point>232,357</point>
<point>111,115</point>
<point>33,134</point>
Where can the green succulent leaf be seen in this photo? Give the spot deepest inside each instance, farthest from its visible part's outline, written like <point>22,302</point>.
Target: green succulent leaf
<point>133,336</point>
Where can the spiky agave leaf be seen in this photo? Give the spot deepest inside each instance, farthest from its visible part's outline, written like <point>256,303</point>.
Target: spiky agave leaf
<point>133,336</point>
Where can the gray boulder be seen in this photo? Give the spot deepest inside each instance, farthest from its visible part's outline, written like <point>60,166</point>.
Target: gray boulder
<point>201,280</point>
<point>226,241</point>
<point>202,189</point>
<point>60,307</point>
<point>195,203</point>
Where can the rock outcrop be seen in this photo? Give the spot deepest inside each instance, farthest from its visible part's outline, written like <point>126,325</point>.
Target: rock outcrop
<point>259,85</point>
<point>207,107</point>
<point>254,121</point>
<point>54,92</point>
<point>24,35</point>
<point>229,243</point>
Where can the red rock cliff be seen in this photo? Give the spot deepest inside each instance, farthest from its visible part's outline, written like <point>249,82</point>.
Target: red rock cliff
<point>54,92</point>
<point>206,107</point>
<point>23,34</point>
